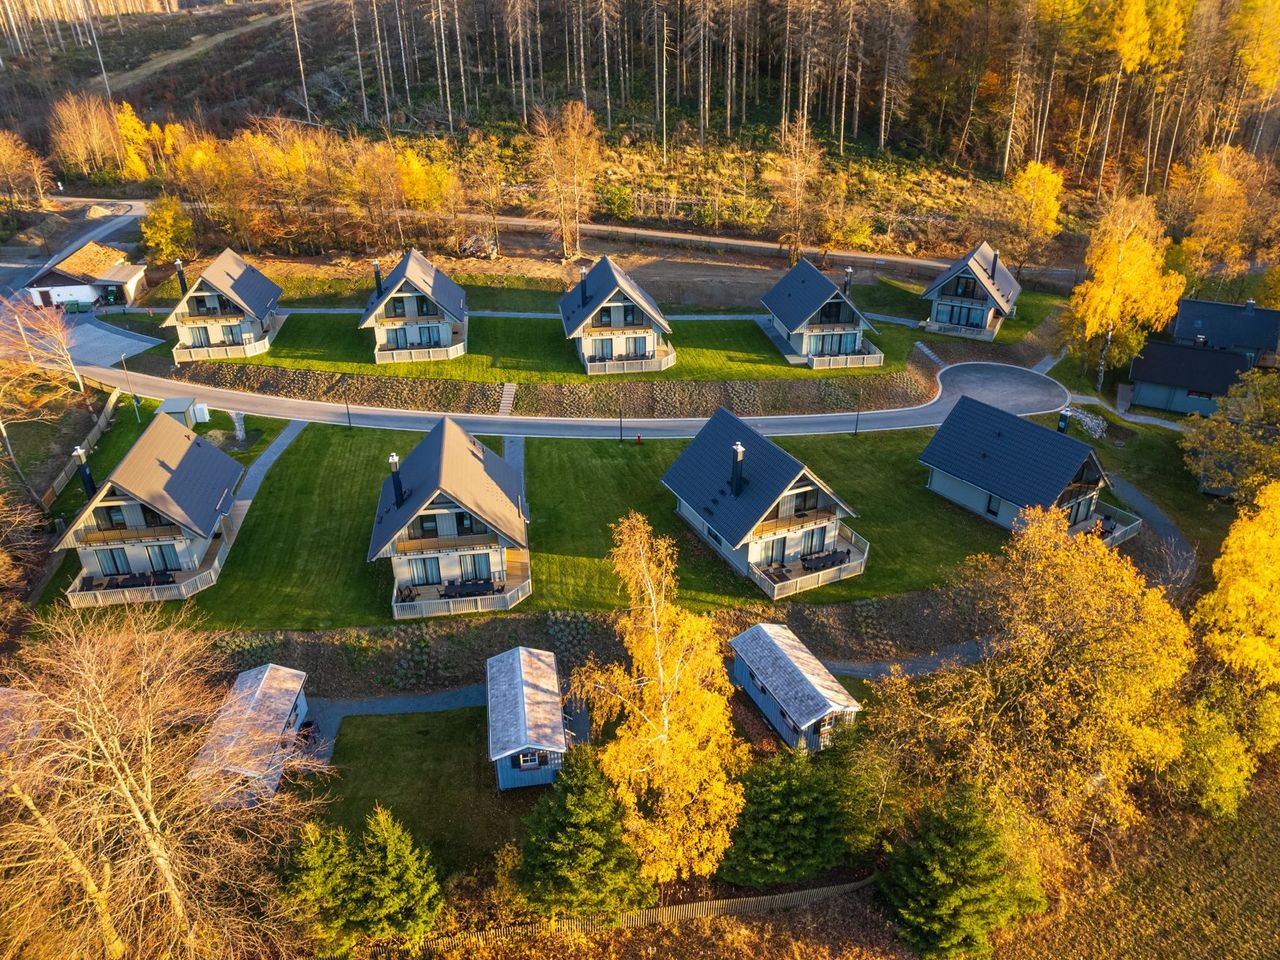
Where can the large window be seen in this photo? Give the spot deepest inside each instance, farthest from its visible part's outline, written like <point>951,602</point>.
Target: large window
<point>232,334</point>
<point>806,501</point>
<point>152,519</point>
<point>199,336</point>
<point>959,316</point>
<point>475,566</point>
<point>113,562</point>
<point>1079,511</point>
<point>831,311</point>
<point>603,349</point>
<point>964,287</point>
<point>429,526</point>
<point>424,571</point>
<point>164,558</point>
<point>774,551</point>
<point>398,337</point>
<point>110,518</point>
<point>833,344</point>
<point>628,314</point>
<point>427,307</point>
<point>430,335</point>
<point>814,541</point>
<point>396,307</point>
<point>637,346</point>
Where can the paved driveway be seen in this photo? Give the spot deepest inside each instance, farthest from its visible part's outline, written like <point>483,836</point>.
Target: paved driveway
<point>95,343</point>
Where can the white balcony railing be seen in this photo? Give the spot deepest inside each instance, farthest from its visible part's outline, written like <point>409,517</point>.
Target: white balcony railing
<point>665,357</point>
<point>488,603</point>
<point>791,578</point>
<point>870,357</point>
<point>389,354</point>
<point>185,353</point>
<point>187,583</point>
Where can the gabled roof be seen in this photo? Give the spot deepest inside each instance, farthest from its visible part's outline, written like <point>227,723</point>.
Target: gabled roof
<point>449,460</point>
<point>601,282</point>
<point>795,678</point>
<point>95,263</point>
<point>985,264</point>
<point>1015,459</point>
<point>245,734</point>
<point>525,713</point>
<point>423,275</point>
<point>1200,369</point>
<point>700,476</point>
<point>801,293</point>
<point>175,472</point>
<point>242,284</point>
<point>1228,325</point>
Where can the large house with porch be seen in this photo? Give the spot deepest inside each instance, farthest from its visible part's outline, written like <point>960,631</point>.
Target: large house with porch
<point>614,325</point>
<point>453,521</point>
<point>92,274</point>
<point>158,527</point>
<point>416,313</point>
<point>795,692</point>
<point>230,311</point>
<point>763,510</point>
<point>527,739</point>
<point>818,321</point>
<point>973,296</point>
<point>1245,328</point>
<point>996,465</point>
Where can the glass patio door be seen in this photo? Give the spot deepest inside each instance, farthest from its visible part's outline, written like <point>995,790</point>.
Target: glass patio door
<point>475,566</point>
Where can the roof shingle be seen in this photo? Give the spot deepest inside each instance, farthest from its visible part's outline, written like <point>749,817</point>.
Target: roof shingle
<point>427,279</point>
<point>984,263</point>
<point>525,712</point>
<point>1228,325</point>
<point>1199,369</point>
<point>800,293</point>
<point>795,678</point>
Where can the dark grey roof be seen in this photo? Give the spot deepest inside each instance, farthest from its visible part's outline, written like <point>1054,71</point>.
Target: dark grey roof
<point>601,282</point>
<point>700,476</point>
<point>800,293</point>
<point>175,472</point>
<point>242,284</point>
<point>1015,459</point>
<point>424,276</point>
<point>795,678</point>
<point>1228,325</point>
<point>1201,369</point>
<point>449,460</point>
<point>985,264</point>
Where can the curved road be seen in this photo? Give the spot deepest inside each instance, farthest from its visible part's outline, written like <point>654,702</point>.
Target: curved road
<point>1011,388</point>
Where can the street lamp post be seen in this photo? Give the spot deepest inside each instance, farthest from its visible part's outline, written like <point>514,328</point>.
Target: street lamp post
<point>128,380</point>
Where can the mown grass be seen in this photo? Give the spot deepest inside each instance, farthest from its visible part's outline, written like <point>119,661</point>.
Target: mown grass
<point>432,771</point>
<point>900,298</point>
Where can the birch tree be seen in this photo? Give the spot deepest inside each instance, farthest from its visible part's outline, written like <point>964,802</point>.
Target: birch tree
<point>565,163</point>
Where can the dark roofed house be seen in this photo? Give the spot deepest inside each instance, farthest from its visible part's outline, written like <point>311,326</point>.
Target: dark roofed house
<point>416,313</point>
<point>231,311</point>
<point>973,296</point>
<point>997,465</point>
<point>1243,327</point>
<point>818,320</point>
<point>157,527</point>
<point>1182,378</point>
<point>615,326</point>
<point>527,739</point>
<point>763,510</point>
<point>93,273</point>
<point>452,519</point>
<point>795,692</point>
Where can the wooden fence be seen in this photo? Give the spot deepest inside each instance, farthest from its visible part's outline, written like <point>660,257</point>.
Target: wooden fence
<point>95,433</point>
<point>739,906</point>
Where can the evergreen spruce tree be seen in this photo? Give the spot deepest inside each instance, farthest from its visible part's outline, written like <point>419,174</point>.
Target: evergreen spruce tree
<point>790,828</point>
<point>320,889</point>
<point>951,883</point>
<point>574,858</point>
<point>395,893</point>
<point>869,789</point>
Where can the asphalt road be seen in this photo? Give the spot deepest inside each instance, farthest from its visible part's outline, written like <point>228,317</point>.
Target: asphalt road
<point>1011,388</point>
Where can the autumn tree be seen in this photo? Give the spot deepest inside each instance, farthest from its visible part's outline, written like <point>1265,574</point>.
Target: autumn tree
<point>796,204</point>
<point>487,179</point>
<point>24,176</point>
<point>1128,293</point>
<point>20,542</point>
<point>83,136</point>
<point>565,162</point>
<point>673,757</point>
<point>40,336</point>
<point>1073,704</point>
<point>1235,448</point>
<point>109,844</point>
<point>870,791</point>
<point>1031,213</point>
<point>168,232</point>
<point>29,392</point>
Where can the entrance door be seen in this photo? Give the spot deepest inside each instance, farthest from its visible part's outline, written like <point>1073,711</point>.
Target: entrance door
<point>46,299</point>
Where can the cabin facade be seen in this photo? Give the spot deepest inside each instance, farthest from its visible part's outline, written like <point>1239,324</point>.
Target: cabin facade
<point>1182,378</point>
<point>799,697</point>
<point>615,326</point>
<point>527,740</point>
<point>252,736</point>
<point>1244,328</point>
<point>452,520</point>
<point>996,465</point>
<point>770,517</point>
<point>818,320</point>
<point>973,296</point>
<point>158,527</point>
<point>93,274</point>
<point>230,311</point>
<point>416,314</point>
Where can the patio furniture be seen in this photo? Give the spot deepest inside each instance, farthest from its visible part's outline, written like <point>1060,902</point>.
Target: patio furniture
<point>165,578</point>
<point>87,584</point>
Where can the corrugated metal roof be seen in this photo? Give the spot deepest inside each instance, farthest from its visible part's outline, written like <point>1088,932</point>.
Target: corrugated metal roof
<point>1201,369</point>
<point>601,282</point>
<point>245,734</point>
<point>449,460</point>
<point>1015,459</point>
<point>801,293</point>
<point>175,472</point>
<point>983,262</point>
<point>525,711</point>
<point>700,476</point>
<point>427,279</point>
<point>242,284</point>
<point>1228,325</point>
<point>795,678</point>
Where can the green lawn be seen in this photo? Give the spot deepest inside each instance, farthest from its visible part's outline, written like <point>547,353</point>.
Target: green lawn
<point>432,771</point>
<point>899,298</point>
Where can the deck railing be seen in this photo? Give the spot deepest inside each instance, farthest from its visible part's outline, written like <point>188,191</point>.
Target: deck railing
<point>91,536</point>
<point>798,521</point>
<point>793,584</point>
<point>445,544</point>
<point>870,357</point>
<point>189,585</point>
<point>1115,525</point>
<point>389,354</point>
<point>665,357</point>
<point>487,603</point>
<point>185,353</point>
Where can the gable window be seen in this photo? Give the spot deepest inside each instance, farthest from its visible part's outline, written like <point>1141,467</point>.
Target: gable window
<point>429,526</point>
<point>629,315</point>
<point>831,312</point>
<point>465,523</point>
<point>427,307</point>
<point>152,519</point>
<point>113,562</point>
<point>110,518</point>
<point>993,505</point>
<point>965,287</point>
<point>395,307</point>
<point>526,760</point>
<point>603,317</point>
<point>806,501</point>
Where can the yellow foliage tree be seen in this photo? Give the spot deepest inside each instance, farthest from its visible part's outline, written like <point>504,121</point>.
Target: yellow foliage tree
<point>674,756</point>
<point>565,162</point>
<point>1034,207</point>
<point>1239,618</point>
<point>1235,448</point>
<point>1228,207</point>
<point>1256,30</point>
<point>135,144</point>
<point>1128,293</point>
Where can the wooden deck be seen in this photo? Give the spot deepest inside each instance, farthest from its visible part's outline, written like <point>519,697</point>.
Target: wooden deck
<point>428,602</point>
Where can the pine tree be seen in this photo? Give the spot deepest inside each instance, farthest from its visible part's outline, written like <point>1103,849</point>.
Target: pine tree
<point>790,828</point>
<point>395,895</point>
<point>951,884</point>
<point>574,858</point>
<point>320,889</point>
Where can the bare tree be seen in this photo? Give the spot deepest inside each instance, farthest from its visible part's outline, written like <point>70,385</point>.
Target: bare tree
<point>108,845</point>
<point>794,193</point>
<point>487,180</point>
<point>566,160</point>
<point>20,541</point>
<point>28,392</point>
<point>40,334</point>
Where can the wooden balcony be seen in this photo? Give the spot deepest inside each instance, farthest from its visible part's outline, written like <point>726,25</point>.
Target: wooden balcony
<point>90,591</point>
<point>791,577</point>
<point>661,360</point>
<point>408,603</point>
<point>90,537</point>
<point>445,544</point>
<point>1114,525</point>
<point>798,521</point>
